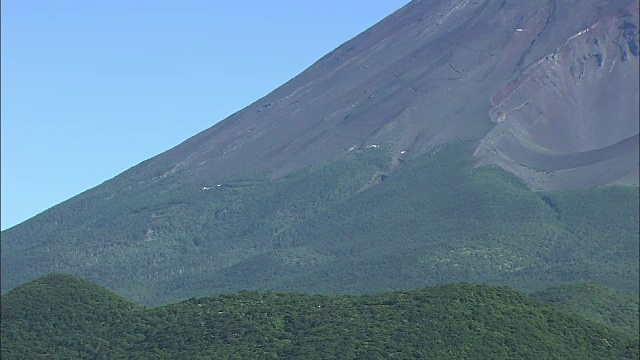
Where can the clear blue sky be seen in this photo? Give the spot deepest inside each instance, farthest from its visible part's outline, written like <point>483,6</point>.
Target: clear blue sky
<point>92,88</point>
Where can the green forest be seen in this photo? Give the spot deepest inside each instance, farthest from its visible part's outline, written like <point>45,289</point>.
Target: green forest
<point>597,303</point>
<point>65,317</point>
<point>352,226</point>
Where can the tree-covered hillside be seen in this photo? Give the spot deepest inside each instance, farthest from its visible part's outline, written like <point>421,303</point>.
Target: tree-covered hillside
<point>351,226</point>
<point>63,317</point>
<point>598,303</point>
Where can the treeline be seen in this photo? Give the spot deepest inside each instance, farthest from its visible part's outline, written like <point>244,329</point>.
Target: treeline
<point>437,219</point>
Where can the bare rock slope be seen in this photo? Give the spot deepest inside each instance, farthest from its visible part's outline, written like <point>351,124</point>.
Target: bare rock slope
<point>549,86</point>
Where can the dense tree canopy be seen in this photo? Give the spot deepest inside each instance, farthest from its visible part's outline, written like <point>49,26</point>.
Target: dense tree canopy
<point>63,317</point>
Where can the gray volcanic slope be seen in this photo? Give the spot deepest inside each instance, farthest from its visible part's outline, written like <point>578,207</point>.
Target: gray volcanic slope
<point>550,86</point>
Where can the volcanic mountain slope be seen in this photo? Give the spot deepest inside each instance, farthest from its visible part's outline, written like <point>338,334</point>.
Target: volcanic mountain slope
<point>540,82</point>
<point>359,174</point>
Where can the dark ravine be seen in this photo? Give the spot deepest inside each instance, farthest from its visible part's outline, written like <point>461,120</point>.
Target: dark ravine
<point>368,171</point>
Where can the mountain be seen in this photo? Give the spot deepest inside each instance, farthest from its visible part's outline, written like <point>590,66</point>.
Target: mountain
<point>51,318</point>
<point>549,88</point>
<point>485,141</point>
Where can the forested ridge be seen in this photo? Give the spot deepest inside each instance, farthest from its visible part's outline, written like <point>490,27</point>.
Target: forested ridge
<point>598,303</point>
<point>64,317</point>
